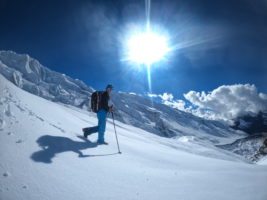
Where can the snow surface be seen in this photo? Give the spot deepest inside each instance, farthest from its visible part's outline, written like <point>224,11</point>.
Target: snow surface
<point>263,161</point>
<point>43,156</point>
<point>28,74</point>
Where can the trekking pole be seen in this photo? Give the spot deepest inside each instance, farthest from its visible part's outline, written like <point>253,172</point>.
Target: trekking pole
<point>116,133</point>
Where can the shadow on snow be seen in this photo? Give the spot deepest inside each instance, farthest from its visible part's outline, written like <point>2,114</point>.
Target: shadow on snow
<point>52,145</point>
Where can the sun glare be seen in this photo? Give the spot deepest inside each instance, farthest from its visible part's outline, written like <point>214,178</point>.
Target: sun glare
<point>147,48</point>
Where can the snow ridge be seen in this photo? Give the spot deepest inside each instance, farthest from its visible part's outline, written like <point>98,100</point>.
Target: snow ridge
<point>28,74</point>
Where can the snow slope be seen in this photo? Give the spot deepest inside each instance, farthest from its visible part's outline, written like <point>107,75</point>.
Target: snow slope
<point>263,161</point>
<point>28,74</point>
<point>43,157</point>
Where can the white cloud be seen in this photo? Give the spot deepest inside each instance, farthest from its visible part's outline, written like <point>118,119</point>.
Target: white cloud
<point>179,104</point>
<point>152,95</point>
<point>229,101</point>
<point>223,103</point>
<point>166,97</point>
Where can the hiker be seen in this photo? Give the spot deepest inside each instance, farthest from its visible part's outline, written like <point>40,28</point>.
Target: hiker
<point>102,109</point>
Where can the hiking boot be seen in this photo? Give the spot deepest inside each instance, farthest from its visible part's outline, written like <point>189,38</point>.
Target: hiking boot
<point>100,143</point>
<point>84,133</point>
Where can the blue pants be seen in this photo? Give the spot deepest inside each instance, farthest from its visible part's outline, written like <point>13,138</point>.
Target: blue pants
<point>102,116</point>
<point>90,130</point>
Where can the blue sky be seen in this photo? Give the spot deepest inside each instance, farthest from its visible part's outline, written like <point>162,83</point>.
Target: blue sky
<point>83,39</point>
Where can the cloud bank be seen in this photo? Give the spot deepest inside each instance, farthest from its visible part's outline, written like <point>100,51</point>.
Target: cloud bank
<point>223,103</point>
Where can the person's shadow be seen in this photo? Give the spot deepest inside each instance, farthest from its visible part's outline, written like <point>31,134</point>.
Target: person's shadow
<point>52,145</point>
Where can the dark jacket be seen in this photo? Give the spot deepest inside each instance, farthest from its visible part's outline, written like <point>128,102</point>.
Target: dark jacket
<point>104,101</point>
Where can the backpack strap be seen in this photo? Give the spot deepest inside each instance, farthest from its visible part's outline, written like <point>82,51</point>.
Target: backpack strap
<point>99,98</point>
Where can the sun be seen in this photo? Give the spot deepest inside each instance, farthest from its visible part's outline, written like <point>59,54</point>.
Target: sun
<point>147,48</point>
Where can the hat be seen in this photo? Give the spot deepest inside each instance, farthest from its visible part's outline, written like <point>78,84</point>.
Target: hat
<point>109,86</point>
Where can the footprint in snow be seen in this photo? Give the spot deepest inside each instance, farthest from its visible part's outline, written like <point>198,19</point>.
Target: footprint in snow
<point>8,111</point>
<point>57,127</point>
<point>19,141</point>
<point>31,113</point>
<point>24,186</point>
<point>20,108</point>
<point>2,124</point>
<point>6,174</point>
<point>40,118</point>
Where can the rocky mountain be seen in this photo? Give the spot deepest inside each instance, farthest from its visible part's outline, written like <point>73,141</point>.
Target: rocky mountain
<point>254,146</point>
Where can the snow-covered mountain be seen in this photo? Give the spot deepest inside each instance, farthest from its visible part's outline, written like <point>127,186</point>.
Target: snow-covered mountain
<point>43,156</point>
<point>252,147</point>
<point>28,74</point>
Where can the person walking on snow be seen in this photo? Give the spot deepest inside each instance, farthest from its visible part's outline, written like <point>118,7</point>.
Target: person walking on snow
<point>102,116</point>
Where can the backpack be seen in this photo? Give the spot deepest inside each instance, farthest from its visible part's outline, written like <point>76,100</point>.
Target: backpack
<point>96,101</point>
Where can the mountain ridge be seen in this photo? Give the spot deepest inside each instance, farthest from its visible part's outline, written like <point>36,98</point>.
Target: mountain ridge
<point>28,74</point>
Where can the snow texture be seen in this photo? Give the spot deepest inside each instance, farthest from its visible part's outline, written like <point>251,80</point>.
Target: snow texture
<point>28,74</point>
<point>44,156</point>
